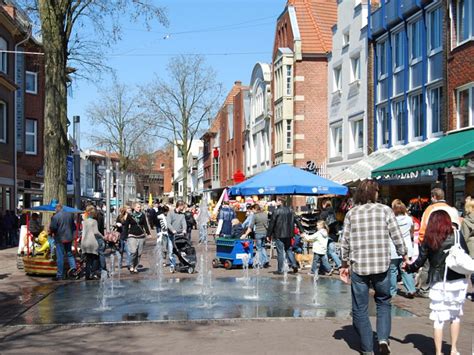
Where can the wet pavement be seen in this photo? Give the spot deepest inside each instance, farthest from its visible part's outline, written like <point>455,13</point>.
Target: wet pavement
<point>229,298</point>
<point>182,315</point>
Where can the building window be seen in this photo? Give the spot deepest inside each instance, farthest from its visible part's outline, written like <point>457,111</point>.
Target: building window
<point>288,79</point>
<point>399,50</point>
<point>382,58</point>
<point>415,41</point>
<point>345,39</point>
<point>337,78</point>
<point>436,101</point>
<point>215,169</point>
<point>355,68</point>
<point>162,166</point>
<point>465,106</point>
<point>230,121</point>
<point>465,20</point>
<point>435,30</point>
<point>357,128</point>
<point>336,133</point>
<point>384,132</point>
<point>416,115</point>
<point>3,55</point>
<point>3,122</point>
<point>31,82</point>
<point>31,134</point>
<point>399,117</point>
<point>289,133</point>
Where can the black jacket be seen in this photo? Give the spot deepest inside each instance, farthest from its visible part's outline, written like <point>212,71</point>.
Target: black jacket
<point>136,225</point>
<point>282,223</point>
<point>152,217</point>
<point>437,260</point>
<point>190,221</point>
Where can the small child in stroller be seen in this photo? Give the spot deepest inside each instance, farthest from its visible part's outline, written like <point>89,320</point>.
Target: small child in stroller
<point>186,254</point>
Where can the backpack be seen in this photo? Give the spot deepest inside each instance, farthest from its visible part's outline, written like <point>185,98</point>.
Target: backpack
<point>458,260</point>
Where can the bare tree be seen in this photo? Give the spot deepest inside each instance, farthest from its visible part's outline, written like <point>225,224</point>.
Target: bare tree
<point>118,124</point>
<point>69,28</point>
<point>184,104</point>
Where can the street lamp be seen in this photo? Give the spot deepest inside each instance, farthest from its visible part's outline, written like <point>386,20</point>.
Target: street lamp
<point>77,161</point>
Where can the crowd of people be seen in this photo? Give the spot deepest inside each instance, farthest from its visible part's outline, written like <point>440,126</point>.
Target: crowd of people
<point>377,246</point>
<point>9,225</point>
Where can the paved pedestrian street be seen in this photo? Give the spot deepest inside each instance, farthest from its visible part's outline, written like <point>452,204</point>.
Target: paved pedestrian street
<point>180,314</point>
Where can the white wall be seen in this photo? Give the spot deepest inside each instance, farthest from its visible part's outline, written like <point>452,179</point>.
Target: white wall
<point>258,137</point>
<point>348,104</point>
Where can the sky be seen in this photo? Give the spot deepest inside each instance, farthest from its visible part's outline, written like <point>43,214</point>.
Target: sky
<point>232,34</point>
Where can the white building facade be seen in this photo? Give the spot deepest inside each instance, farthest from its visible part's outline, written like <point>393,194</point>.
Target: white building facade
<point>347,87</point>
<point>258,122</point>
<point>178,171</point>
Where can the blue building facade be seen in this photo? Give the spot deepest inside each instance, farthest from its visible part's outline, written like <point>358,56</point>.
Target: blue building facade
<point>408,72</point>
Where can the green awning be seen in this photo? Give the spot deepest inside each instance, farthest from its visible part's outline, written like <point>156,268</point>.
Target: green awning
<point>453,150</point>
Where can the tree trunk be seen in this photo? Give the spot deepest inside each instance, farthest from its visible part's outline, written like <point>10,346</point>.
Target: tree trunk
<point>185,177</point>
<point>55,110</point>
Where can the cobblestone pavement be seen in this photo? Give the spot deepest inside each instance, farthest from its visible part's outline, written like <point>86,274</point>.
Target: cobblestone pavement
<point>20,292</point>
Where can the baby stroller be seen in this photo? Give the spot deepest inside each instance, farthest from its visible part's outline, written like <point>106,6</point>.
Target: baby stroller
<point>185,253</point>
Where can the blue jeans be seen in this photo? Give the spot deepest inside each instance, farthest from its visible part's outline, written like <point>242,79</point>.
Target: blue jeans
<point>324,261</point>
<point>170,250</point>
<point>360,303</point>
<point>408,280</point>
<point>284,245</point>
<point>125,249</point>
<point>333,255</point>
<point>262,253</point>
<point>64,250</point>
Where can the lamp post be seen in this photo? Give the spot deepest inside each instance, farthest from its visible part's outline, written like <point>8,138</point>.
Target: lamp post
<point>77,161</point>
<point>107,192</point>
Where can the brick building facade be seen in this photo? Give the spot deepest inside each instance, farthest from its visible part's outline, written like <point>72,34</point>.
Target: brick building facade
<point>155,174</point>
<point>299,83</point>
<point>21,111</point>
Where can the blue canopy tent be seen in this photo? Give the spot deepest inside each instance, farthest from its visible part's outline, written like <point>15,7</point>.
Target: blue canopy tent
<point>51,208</point>
<point>285,179</point>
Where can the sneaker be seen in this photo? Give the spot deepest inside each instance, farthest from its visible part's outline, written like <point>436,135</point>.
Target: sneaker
<point>384,347</point>
<point>295,269</point>
<point>172,269</point>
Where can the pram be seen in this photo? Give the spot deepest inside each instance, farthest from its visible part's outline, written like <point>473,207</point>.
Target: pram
<point>185,253</point>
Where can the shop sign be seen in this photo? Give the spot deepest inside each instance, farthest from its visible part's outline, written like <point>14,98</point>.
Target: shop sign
<point>414,177</point>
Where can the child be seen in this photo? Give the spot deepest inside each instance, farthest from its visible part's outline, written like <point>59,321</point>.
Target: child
<point>320,245</point>
<point>237,229</point>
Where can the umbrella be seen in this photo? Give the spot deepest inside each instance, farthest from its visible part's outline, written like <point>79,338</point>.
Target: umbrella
<point>52,208</point>
<point>285,179</point>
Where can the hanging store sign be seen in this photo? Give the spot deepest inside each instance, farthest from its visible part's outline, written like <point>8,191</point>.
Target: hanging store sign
<point>415,177</point>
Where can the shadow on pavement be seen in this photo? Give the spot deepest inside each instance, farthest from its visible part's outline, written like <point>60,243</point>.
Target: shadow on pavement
<point>424,344</point>
<point>349,335</point>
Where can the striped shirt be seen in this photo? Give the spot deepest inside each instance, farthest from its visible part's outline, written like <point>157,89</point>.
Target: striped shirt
<point>369,230</point>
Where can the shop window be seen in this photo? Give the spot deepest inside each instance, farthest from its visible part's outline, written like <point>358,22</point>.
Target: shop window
<point>3,56</point>
<point>383,126</point>
<point>3,122</point>
<point>31,137</point>
<point>336,140</point>
<point>464,20</point>
<point>416,116</point>
<point>31,82</point>
<point>465,106</point>
<point>357,129</point>
<point>399,117</point>
<point>435,107</point>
